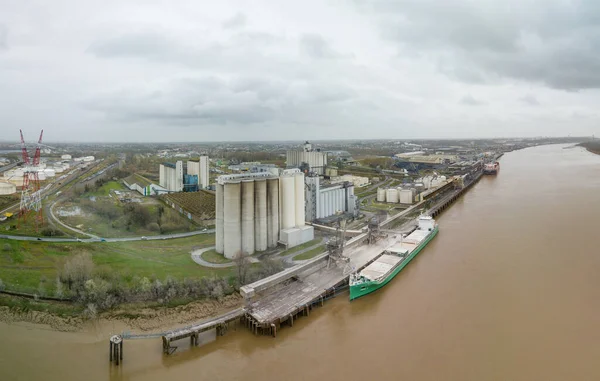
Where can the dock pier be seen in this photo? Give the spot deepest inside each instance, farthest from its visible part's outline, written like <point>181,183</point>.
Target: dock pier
<point>280,299</point>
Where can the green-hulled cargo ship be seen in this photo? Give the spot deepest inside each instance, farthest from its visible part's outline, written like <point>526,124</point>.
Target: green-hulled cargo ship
<point>392,260</point>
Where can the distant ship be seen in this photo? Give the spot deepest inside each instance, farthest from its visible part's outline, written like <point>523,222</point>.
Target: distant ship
<point>392,260</point>
<point>491,168</point>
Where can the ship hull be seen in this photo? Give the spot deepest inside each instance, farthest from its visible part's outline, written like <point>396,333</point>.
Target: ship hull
<point>356,291</point>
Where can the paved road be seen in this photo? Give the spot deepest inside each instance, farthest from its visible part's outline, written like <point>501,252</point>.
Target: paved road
<point>125,239</point>
<point>197,257</point>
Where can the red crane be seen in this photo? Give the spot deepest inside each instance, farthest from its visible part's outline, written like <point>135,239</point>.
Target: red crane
<point>24,150</point>
<point>36,157</point>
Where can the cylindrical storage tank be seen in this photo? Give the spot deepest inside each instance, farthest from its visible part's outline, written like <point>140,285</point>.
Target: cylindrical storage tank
<point>248,216</point>
<point>219,219</point>
<point>299,196</point>
<point>272,212</point>
<point>260,214</point>
<point>288,208</point>
<point>7,188</point>
<point>380,194</point>
<point>232,224</point>
<point>391,195</point>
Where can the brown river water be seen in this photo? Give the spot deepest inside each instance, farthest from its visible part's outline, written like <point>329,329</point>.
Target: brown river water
<point>508,290</point>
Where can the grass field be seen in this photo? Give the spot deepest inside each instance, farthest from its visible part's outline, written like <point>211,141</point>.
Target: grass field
<point>213,257</point>
<point>105,189</point>
<point>311,253</point>
<point>24,264</point>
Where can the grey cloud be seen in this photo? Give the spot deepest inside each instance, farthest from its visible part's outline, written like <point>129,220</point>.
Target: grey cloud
<point>315,46</point>
<point>556,44</point>
<point>470,101</point>
<point>3,37</point>
<point>150,45</point>
<point>530,100</point>
<point>236,21</point>
<point>243,100</point>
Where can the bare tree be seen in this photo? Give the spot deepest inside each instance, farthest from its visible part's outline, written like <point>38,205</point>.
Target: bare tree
<point>242,263</point>
<point>77,270</point>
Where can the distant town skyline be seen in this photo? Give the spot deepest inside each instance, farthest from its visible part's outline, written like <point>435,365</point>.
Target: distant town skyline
<point>203,71</point>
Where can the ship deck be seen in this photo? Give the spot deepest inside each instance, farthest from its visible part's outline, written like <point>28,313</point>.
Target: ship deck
<point>381,267</point>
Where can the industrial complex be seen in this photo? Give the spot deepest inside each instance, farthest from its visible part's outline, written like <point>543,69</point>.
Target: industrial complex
<point>257,211</point>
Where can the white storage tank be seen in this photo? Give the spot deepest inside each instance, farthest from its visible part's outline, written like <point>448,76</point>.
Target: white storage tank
<point>66,157</point>
<point>49,172</point>
<point>407,196</point>
<point>380,194</point>
<point>7,188</point>
<point>391,195</point>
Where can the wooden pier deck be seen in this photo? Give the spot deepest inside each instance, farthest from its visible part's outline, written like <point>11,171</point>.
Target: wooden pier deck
<point>219,323</point>
<point>299,295</point>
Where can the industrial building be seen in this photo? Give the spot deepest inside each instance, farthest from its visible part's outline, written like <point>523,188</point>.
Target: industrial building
<point>315,159</point>
<point>358,181</point>
<point>171,176</point>
<point>143,186</point>
<point>259,210</point>
<point>326,200</point>
<point>254,167</point>
<point>199,168</point>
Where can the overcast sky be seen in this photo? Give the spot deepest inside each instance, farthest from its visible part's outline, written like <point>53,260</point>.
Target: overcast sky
<point>118,70</point>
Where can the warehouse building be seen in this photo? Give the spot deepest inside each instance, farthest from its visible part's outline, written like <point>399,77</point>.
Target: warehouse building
<point>358,181</point>
<point>326,200</point>
<point>199,168</point>
<point>257,211</point>
<point>315,159</point>
<point>171,176</point>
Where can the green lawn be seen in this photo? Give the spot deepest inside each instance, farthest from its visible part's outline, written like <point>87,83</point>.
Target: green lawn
<point>213,257</point>
<point>311,253</point>
<point>105,189</point>
<point>23,264</point>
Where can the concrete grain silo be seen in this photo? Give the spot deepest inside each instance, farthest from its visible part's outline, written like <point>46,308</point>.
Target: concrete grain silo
<point>299,198</point>
<point>288,207</point>
<point>247,209</point>
<point>232,218</point>
<point>219,219</point>
<point>260,214</point>
<point>380,194</point>
<point>272,212</point>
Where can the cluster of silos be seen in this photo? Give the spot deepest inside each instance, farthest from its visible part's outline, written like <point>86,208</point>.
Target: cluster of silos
<point>247,214</point>
<point>396,195</point>
<point>432,181</point>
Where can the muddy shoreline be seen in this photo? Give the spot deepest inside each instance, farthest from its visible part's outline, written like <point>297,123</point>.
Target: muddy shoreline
<point>142,319</point>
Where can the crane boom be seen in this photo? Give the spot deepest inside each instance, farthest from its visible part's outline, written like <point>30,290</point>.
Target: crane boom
<point>24,149</point>
<point>36,157</point>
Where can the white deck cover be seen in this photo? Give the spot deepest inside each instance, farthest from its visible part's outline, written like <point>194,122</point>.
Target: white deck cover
<point>380,267</point>
<point>416,237</point>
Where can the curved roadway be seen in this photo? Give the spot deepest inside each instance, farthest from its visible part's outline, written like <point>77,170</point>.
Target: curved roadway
<point>98,239</point>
